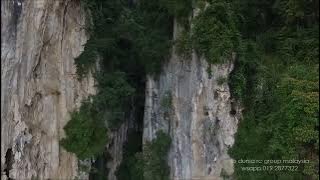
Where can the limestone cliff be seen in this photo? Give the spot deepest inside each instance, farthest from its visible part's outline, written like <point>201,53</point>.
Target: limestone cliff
<point>202,117</point>
<point>39,41</point>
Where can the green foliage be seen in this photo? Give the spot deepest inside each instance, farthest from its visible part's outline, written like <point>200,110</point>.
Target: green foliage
<point>184,45</point>
<point>113,97</point>
<point>276,78</point>
<point>298,12</point>
<point>137,165</point>
<point>299,45</point>
<point>180,9</point>
<point>245,73</point>
<point>286,123</point>
<point>119,30</point>
<point>131,167</point>
<point>299,110</point>
<point>84,168</point>
<point>201,4</point>
<point>151,164</point>
<point>166,101</point>
<point>209,71</point>
<point>221,80</point>
<point>214,34</point>
<point>134,165</point>
<point>85,134</point>
<point>85,60</point>
<point>155,158</point>
<point>153,46</point>
<point>119,40</point>
<point>275,75</point>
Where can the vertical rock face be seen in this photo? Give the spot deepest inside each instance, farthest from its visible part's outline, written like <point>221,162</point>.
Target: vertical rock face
<point>115,149</point>
<point>118,138</point>
<point>39,41</point>
<point>201,118</point>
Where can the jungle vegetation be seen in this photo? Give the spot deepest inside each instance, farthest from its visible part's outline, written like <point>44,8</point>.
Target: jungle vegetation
<point>275,77</point>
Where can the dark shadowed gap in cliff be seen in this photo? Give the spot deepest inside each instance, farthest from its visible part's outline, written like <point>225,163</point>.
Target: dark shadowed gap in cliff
<point>131,41</point>
<point>133,145</point>
<point>99,169</point>
<point>17,8</point>
<point>134,112</point>
<point>8,162</point>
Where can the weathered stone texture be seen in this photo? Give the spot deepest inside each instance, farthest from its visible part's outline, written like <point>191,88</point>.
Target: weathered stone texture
<point>199,122</point>
<point>39,41</point>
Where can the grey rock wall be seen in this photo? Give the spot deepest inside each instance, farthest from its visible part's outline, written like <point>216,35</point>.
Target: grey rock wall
<point>201,119</point>
<point>39,41</point>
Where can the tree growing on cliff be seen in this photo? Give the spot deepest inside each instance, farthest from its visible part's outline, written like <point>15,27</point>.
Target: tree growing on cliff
<point>155,157</point>
<point>85,136</point>
<point>86,132</point>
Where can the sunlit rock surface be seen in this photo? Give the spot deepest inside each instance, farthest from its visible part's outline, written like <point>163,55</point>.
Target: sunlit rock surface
<point>39,41</point>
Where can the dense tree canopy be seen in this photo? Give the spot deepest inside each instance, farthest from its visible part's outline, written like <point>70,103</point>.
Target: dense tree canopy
<point>277,81</point>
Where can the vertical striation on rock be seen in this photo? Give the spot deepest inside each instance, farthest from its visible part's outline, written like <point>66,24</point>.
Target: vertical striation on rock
<point>39,41</point>
<point>203,117</point>
<point>115,149</point>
